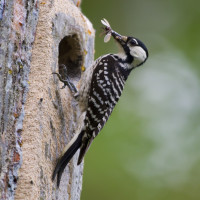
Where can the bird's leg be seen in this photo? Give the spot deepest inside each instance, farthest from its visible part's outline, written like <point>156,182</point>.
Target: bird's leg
<point>65,79</point>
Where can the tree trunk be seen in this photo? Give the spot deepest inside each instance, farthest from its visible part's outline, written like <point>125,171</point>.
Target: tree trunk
<point>37,118</point>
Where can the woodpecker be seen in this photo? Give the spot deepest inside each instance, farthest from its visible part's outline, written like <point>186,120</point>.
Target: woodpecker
<point>100,90</point>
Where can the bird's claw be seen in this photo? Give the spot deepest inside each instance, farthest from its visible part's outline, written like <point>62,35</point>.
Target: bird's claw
<point>70,85</point>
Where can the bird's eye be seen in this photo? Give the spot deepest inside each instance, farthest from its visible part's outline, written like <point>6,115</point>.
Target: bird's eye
<point>133,42</point>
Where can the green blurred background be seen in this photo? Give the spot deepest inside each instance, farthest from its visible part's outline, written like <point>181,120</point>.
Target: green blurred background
<point>150,147</point>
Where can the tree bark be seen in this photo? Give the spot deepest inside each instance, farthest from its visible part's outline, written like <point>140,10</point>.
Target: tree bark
<point>37,118</point>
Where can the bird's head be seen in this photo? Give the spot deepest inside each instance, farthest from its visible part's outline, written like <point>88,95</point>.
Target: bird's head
<point>133,51</point>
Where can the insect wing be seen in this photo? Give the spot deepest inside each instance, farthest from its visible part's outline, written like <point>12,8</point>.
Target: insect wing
<point>107,37</point>
<point>105,22</point>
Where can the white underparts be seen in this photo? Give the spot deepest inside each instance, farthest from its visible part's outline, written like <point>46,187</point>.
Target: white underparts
<point>122,55</point>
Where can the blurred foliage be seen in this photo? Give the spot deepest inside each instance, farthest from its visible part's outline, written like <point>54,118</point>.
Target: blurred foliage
<point>149,149</point>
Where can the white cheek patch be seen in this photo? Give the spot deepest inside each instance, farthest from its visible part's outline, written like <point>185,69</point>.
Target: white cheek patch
<point>138,53</point>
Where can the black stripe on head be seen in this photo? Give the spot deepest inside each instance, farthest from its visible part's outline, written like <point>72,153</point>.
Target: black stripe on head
<point>129,58</point>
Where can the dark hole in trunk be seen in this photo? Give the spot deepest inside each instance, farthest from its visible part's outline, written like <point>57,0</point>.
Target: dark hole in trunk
<point>70,55</point>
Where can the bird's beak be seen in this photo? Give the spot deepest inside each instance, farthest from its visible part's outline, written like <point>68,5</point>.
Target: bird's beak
<point>124,38</point>
<point>119,38</point>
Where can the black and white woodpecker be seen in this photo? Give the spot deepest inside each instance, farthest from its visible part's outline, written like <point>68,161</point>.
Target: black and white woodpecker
<point>100,90</point>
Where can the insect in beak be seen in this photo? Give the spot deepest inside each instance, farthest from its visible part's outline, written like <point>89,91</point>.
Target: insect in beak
<point>109,32</point>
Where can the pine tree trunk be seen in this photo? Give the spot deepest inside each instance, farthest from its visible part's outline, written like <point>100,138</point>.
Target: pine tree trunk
<point>37,118</point>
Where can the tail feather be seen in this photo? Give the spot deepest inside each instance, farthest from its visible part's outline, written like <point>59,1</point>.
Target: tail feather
<point>68,153</point>
<point>84,148</point>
